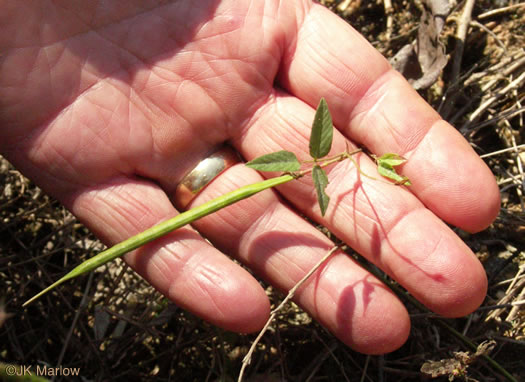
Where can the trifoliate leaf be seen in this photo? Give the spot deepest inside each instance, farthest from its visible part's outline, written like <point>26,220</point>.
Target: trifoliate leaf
<point>284,161</point>
<point>386,164</point>
<point>320,183</point>
<point>322,131</point>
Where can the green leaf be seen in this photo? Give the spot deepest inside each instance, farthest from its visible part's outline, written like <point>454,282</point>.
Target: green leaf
<point>391,159</point>
<point>385,167</point>
<point>322,131</point>
<point>284,161</point>
<point>320,183</point>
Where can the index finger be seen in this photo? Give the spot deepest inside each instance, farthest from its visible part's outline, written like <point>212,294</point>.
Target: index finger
<point>374,106</point>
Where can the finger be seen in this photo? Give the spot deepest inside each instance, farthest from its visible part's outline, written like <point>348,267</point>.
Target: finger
<point>374,106</point>
<point>181,265</point>
<point>282,247</point>
<point>385,223</point>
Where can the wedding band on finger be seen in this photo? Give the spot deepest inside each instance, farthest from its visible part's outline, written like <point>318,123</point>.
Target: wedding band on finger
<point>203,174</point>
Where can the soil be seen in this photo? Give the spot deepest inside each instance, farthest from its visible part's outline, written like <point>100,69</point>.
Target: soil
<point>114,326</point>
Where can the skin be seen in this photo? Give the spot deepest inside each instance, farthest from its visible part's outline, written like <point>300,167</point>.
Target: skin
<point>107,107</point>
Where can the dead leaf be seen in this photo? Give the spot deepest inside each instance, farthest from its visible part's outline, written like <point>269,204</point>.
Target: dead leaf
<point>102,321</point>
<point>485,348</point>
<point>422,61</point>
<point>451,367</point>
<point>4,316</point>
<point>457,366</point>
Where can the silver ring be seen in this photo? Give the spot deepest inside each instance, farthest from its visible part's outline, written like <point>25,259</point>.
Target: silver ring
<point>208,169</point>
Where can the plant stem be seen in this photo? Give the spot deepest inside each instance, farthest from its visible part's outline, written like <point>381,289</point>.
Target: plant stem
<point>331,160</point>
<point>182,219</point>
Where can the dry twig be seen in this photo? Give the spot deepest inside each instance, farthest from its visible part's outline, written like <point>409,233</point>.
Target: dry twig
<point>247,359</point>
<point>509,295</point>
<point>499,11</point>
<point>486,104</point>
<point>389,11</point>
<point>461,36</point>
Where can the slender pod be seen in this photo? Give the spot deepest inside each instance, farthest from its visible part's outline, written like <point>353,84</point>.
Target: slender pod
<point>165,227</point>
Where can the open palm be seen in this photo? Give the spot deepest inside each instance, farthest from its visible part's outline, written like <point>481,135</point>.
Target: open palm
<point>106,107</point>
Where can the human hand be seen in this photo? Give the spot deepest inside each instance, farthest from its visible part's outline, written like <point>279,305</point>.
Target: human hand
<point>107,107</point>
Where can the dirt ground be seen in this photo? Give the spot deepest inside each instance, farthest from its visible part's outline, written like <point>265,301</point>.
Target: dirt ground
<point>112,326</point>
